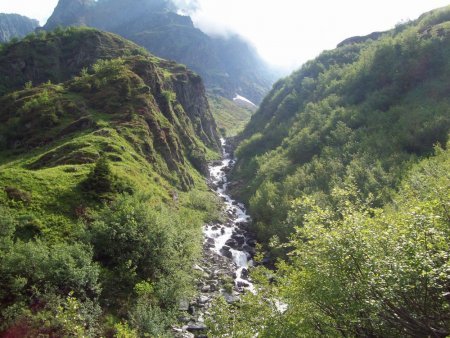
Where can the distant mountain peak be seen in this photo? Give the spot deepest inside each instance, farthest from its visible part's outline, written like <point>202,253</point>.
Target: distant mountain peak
<point>227,65</point>
<point>15,25</point>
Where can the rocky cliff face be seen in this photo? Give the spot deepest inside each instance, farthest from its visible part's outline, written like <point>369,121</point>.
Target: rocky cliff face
<point>70,12</point>
<point>14,25</point>
<point>228,66</point>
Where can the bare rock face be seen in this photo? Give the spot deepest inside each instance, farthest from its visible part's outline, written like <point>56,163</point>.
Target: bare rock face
<point>70,13</point>
<point>15,26</point>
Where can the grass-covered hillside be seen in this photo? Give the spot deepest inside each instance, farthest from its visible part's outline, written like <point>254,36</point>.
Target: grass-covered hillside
<point>349,189</point>
<point>102,193</point>
<point>230,117</point>
<point>358,115</point>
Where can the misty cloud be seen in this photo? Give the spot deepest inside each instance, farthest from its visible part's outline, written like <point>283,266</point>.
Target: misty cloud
<point>186,7</point>
<point>206,15</point>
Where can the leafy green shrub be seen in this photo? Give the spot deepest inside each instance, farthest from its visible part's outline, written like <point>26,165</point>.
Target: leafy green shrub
<point>137,242</point>
<point>35,274</point>
<point>100,180</point>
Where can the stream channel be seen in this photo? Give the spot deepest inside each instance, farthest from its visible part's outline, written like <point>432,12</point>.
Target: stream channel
<point>228,249</point>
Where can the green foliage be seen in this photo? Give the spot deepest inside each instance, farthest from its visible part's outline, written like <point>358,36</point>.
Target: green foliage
<point>336,170</point>
<point>100,180</point>
<point>138,242</point>
<point>58,241</point>
<point>357,115</point>
<point>359,271</point>
<point>37,277</point>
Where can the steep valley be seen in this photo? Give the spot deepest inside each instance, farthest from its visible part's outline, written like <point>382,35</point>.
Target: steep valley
<point>137,199</point>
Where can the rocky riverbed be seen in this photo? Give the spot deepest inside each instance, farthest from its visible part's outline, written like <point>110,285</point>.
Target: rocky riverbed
<point>228,250</point>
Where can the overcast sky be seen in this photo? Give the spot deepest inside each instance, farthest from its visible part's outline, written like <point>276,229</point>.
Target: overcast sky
<point>286,32</point>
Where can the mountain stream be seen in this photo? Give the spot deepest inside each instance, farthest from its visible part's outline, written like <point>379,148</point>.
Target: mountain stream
<point>228,249</point>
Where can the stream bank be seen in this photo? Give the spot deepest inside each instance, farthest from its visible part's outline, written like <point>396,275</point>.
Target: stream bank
<point>228,251</point>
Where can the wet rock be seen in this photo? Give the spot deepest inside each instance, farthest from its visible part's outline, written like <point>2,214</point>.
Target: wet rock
<point>239,239</point>
<point>252,242</point>
<point>232,243</point>
<point>244,274</point>
<point>226,251</point>
<point>241,284</point>
<point>196,328</point>
<point>249,249</point>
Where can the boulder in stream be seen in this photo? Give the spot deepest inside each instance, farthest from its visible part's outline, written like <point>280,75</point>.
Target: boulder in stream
<point>232,243</point>
<point>226,251</point>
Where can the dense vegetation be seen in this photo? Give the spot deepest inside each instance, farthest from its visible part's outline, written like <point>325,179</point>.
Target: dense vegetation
<point>356,270</point>
<point>345,183</point>
<point>102,197</point>
<point>357,115</point>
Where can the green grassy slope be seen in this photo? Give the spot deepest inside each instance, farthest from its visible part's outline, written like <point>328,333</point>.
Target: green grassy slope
<point>230,118</point>
<point>101,186</point>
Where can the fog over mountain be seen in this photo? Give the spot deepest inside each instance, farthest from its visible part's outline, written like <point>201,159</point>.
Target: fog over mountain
<point>229,65</point>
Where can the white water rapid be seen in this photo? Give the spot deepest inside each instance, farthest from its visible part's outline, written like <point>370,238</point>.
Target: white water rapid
<point>230,239</point>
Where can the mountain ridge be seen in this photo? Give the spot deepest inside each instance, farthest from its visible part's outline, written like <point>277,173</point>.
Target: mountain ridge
<point>228,66</point>
<point>15,26</point>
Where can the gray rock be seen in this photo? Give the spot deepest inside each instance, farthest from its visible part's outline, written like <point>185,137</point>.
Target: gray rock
<point>198,327</point>
<point>240,239</point>
<point>226,251</point>
<point>252,242</point>
<point>244,274</point>
<point>184,305</point>
<point>203,299</point>
<point>241,284</point>
<point>229,298</point>
<point>232,243</point>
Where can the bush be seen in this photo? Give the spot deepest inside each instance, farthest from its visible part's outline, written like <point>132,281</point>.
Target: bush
<point>100,180</point>
<point>136,242</point>
<point>35,275</point>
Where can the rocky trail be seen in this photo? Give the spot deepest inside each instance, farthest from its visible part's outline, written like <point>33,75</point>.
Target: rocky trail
<point>228,250</point>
